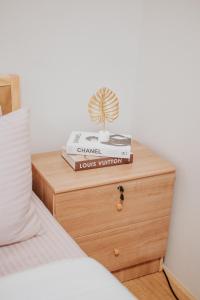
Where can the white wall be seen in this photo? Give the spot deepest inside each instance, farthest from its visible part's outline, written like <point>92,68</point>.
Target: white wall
<point>148,52</point>
<point>64,50</point>
<point>167,118</point>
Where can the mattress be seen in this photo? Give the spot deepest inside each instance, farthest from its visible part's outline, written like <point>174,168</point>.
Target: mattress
<point>52,244</point>
<point>74,279</point>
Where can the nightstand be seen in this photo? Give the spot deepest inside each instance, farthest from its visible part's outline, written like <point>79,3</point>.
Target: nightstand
<point>127,236</point>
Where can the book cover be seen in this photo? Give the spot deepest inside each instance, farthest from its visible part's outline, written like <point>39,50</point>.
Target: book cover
<point>84,162</point>
<point>88,143</point>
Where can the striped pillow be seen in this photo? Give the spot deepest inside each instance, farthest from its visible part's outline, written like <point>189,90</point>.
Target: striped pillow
<point>18,219</point>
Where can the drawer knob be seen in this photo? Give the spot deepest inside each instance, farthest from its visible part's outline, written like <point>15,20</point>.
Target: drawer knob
<point>119,206</point>
<point>116,252</point>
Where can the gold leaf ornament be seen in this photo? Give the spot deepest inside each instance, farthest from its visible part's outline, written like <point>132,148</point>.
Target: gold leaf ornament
<point>103,106</point>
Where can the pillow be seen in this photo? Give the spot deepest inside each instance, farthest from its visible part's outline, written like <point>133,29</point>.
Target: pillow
<point>18,219</point>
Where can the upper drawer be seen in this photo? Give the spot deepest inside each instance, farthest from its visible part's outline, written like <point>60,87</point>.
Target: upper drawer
<point>96,209</point>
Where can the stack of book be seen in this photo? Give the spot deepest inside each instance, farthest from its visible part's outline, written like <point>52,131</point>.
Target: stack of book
<point>84,151</point>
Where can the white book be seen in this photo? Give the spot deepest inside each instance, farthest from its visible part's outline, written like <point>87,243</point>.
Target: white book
<point>87,143</point>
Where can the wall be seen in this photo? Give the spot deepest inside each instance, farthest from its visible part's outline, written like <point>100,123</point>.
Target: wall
<point>148,52</point>
<point>166,117</point>
<point>64,51</point>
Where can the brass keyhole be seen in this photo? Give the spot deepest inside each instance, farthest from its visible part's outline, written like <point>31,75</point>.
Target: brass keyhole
<point>120,188</point>
<point>121,198</point>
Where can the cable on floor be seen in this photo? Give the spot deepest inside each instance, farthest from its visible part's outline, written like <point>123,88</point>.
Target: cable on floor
<point>169,284</point>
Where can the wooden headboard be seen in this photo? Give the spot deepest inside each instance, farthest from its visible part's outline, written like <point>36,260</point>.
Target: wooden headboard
<point>9,94</point>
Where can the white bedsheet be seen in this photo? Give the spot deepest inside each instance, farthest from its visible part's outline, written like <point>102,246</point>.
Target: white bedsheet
<point>70,279</point>
<point>53,244</point>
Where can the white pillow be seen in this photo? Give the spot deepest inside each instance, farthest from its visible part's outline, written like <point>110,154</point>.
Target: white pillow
<point>18,219</point>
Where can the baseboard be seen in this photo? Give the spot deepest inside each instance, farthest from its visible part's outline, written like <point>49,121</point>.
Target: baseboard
<point>178,287</point>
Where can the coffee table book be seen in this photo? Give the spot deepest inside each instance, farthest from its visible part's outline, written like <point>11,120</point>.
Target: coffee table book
<point>88,143</point>
<point>84,162</point>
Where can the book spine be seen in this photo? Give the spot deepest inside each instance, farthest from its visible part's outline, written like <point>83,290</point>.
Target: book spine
<point>102,163</point>
<point>101,150</point>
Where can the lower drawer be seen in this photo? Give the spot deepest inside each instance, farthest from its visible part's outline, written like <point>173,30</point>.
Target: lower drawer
<point>127,246</point>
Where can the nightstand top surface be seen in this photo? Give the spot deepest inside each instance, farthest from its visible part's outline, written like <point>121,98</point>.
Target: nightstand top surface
<point>62,178</point>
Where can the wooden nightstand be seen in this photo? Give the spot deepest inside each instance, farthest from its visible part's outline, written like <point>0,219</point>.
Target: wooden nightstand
<point>128,237</point>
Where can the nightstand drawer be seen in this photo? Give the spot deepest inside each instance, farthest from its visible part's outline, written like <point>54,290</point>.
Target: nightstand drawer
<point>128,246</point>
<point>98,209</point>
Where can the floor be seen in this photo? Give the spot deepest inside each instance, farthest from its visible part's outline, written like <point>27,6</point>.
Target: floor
<point>152,287</point>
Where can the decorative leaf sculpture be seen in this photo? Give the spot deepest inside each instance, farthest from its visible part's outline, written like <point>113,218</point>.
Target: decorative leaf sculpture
<point>103,106</point>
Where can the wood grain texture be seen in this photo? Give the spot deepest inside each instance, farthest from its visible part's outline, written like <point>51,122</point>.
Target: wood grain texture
<point>96,208</point>
<point>136,271</point>
<point>43,191</point>
<point>86,204</point>
<point>62,178</point>
<point>5,99</point>
<point>154,287</point>
<point>9,93</point>
<point>136,244</point>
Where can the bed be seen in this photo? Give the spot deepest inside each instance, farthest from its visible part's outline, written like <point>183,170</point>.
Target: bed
<point>50,265</point>
<point>52,244</point>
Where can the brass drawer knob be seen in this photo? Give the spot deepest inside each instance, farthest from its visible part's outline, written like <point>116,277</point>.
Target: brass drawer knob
<point>119,206</point>
<point>116,252</point>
